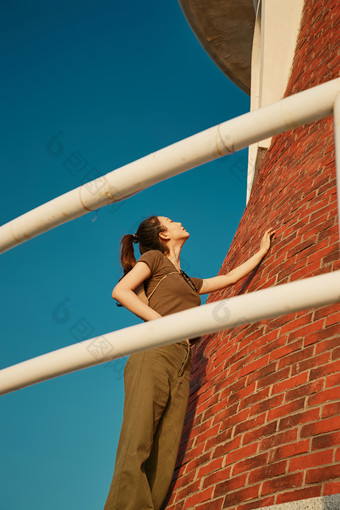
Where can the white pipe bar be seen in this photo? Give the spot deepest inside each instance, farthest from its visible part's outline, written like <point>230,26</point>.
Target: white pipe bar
<point>226,138</point>
<point>282,299</point>
<point>337,152</point>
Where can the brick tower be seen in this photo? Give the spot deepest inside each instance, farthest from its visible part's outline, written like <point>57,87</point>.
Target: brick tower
<point>263,420</point>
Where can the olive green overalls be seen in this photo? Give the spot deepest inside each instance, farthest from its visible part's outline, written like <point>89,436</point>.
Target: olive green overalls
<point>157,383</point>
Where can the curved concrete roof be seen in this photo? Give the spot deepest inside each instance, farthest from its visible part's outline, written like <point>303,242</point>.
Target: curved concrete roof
<point>225,29</point>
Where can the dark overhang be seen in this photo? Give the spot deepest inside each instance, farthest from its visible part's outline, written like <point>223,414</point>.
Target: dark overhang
<point>225,30</point>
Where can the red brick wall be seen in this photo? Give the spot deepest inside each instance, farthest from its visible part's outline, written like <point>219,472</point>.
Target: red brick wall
<point>263,420</point>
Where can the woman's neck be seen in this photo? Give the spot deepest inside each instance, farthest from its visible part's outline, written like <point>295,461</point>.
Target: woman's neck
<point>174,254</point>
<point>175,260</point>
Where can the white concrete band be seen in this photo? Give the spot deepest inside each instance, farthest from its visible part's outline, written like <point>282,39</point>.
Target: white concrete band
<point>337,153</point>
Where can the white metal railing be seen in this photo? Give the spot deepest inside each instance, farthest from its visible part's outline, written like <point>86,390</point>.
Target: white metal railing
<point>302,108</point>
<point>254,306</point>
<point>226,138</point>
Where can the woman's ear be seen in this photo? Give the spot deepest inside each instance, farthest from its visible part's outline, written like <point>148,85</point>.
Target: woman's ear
<point>164,236</point>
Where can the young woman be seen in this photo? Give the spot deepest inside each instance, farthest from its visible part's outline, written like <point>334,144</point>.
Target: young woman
<point>157,380</point>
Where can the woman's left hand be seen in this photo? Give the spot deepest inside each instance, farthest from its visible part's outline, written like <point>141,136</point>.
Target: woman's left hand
<point>266,239</point>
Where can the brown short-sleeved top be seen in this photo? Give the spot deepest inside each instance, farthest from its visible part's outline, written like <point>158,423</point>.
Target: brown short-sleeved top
<point>174,293</point>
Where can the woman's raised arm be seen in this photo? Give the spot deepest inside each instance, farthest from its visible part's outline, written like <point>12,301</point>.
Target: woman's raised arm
<point>222,281</point>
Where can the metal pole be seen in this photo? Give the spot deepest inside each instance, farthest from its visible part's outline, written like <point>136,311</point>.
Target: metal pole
<point>226,138</point>
<point>282,299</point>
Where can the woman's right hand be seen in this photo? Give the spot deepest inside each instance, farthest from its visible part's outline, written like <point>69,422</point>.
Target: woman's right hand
<point>265,241</point>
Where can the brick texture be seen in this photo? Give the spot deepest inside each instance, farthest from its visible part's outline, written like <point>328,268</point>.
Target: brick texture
<point>263,420</point>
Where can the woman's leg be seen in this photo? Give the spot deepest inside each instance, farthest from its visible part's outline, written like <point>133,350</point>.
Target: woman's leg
<point>161,463</point>
<point>146,394</point>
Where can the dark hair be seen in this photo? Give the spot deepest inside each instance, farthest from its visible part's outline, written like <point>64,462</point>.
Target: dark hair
<point>148,239</point>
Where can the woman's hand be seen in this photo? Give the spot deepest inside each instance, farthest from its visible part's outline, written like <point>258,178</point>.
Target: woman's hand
<point>265,241</point>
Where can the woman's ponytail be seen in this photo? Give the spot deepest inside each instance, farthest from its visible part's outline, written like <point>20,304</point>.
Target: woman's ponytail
<point>127,256</point>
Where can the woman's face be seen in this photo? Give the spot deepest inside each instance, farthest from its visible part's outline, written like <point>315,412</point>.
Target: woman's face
<point>174,228</point>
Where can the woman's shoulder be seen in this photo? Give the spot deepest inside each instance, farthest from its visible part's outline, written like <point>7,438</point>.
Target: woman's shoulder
<point>151,254</point>
<point>153,258</point>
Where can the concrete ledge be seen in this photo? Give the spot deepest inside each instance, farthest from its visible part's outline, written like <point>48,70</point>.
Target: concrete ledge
<point>322,503</point>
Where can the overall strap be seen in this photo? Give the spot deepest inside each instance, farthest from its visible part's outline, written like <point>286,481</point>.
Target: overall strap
<point>172,272</point>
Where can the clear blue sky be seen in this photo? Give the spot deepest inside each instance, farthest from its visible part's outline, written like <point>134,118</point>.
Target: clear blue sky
<point>115,81</point>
